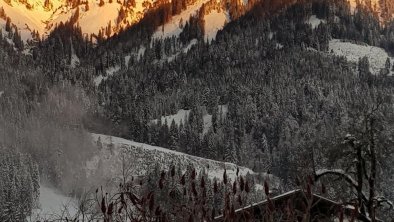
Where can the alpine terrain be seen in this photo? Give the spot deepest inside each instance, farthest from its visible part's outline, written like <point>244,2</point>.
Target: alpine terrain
<point>196,110</point>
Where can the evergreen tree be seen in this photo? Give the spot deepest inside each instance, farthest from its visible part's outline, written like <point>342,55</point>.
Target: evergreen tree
<point>174,136</point>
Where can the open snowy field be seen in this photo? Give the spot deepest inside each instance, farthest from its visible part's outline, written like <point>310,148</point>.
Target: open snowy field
<point>141,158</point>
<point>353,52</point>
<point>53,204</point>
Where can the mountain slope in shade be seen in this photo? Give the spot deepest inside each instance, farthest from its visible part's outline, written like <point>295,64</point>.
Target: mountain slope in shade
<point>143,157</point>
<point>107,17</point>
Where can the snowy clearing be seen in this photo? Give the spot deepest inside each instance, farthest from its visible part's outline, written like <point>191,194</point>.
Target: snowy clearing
<point>143,157</point>
<point>110,71</point>
<point>315,22</point>
<point>53,204</point>
<point>353,52</point>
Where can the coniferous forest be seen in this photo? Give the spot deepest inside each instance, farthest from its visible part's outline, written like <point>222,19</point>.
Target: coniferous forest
<point>267,99</point>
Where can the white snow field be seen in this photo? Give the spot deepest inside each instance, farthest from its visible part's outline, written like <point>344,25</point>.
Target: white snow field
<point>44,20</point>
<point>353,52</point>
<point>138,159</point>
<point>214,22</point>
<point>37,17</point>
<point>53,204</point>
<point>314,21</point>
<point>143,158</point>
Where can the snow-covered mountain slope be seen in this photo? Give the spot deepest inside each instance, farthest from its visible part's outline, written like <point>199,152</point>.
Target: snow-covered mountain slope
<point>315,22</point>
<point>115,154</point>
<point>107,17</point>
<point>93,16</point>
<point>28,16</point>
<point>353,52</point>
<point>140,158</point>
<point>215,14</point>
<point>215,21</point>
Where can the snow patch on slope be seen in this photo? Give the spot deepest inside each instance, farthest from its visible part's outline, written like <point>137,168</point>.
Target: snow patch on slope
<point>214,22</point>
<point>28,20</point>
<point>137,55</point>
<point>52,205</point>
<point>315,22</point>
<point>91,21</point>
<point>97,18</point>
<point>353,52</point>
<point>74,60</point>
<point>190,45</point>
<point>182,116</point>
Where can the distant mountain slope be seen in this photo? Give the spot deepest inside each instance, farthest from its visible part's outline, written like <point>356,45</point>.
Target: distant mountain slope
<point>107,17</point>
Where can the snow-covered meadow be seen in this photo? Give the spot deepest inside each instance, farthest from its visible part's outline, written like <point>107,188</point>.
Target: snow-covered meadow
<point>53,204</point>
<point>354,52</point>
<point>141,158</point>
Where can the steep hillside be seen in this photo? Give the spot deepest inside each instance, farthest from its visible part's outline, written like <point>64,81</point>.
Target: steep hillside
<point>138,158</point>
<point>104,18</point>
<point>94,17</point>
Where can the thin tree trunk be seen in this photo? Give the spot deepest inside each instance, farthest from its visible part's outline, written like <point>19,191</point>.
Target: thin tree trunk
<point>360,178</point>
<point>372,176</point>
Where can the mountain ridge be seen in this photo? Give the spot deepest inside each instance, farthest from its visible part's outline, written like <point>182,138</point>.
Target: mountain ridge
<point>104,18</point>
